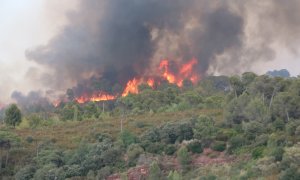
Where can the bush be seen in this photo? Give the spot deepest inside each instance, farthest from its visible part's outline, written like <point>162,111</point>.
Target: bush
<point>195,147</point>
<point>236,142</point>
<point>184,158</point>
<point>219,146</point>
<point>155,172</point>
<point>133,153</point>
<point>279,124</point>
<point>151,135</point>
<point>257,152</point>
<point>290,174</point>
<point>34,121</point>
<point>104,172</point>
<point>29,139</point>
<point>204,128</point>
<point>170,149</point>
<point>253,129</point>
<point>25,173</point>
<point>172,132</point>
<point>72,170</point>
<point>261,140</point>
<point>155,148</point>
<point>277,153</point>
<point>127,138</point>
<point>174,175</point>
<point>48,172</point>
<point>209,177</point>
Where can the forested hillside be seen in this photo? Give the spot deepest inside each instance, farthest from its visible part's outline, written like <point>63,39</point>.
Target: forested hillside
<point>239,127</point>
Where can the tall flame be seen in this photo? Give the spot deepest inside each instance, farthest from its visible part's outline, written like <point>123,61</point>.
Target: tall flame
<point>131,87</point>
<point>185,72</point>
<point>151,82</point>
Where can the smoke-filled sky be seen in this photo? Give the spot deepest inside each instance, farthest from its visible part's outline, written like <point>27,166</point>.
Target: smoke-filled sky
<point>54,44</point>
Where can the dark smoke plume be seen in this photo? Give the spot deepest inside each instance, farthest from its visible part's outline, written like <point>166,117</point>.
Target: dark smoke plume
<point>119,39</point>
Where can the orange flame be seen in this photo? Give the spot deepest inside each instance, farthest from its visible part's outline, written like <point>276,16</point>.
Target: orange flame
<point>185,72</point>
<point>56,103</point>
<point>101,96</point>
<point>151,82</point>
<point>131,87</point>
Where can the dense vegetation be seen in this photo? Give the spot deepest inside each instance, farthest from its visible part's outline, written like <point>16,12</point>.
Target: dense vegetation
<point>244,127</point>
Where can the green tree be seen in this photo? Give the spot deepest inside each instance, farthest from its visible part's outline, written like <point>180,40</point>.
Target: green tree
<point>204,128</point>
<point>184,158</point>
<point>257,111</point>
<point>155,172</point>
<point>13,115</point>
<point>174,175</point>
<point>236,85</point>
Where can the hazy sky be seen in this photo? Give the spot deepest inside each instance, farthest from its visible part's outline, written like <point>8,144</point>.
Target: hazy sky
<point>25,24</point>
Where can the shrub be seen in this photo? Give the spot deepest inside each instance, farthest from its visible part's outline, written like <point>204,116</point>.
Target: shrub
<point>172,132</point>
<point>261,140</point>
<point>151,135</point>
<point>257,152</point>
<point>174,175</point>
<point>209,177</point>
<point>29,139</point>
<point>279,124</point>
<point>155,148</point>
<point>155,172</point>
<point>48,172</point>
<point>195,147</point>
<point>25,173</point>
<point>111,156</point>
<point>219,146</point>
<point>236,142</point>
<point>204,128</point>
<point>253,129</point>
<point>133,153</point>
<point>170,149</point>
<point>72,170</point>
<point>104,172</point>
<point>290,174</point>
<point>277,153</point>
<point>184,158</point>
<point>127,138</point>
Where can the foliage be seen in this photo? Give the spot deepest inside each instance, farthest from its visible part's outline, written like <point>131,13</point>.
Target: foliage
<point>170,149</point>
<point>277,153</point>
<point>34,121</point>
<point>133,152</point>
<point>174,175</point>
<point>195,147</point>
<point>257,152</point>
<point>204,128</point>
<point>184,158</point>
<point>155,172</point>
<point>13,115</point>
<point>25,173</point>
<point>219,146</point>
<point>127,138</point>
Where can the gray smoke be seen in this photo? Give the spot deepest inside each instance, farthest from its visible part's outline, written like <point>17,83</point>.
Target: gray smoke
<point>34,101</point>
<point>119,39</point>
